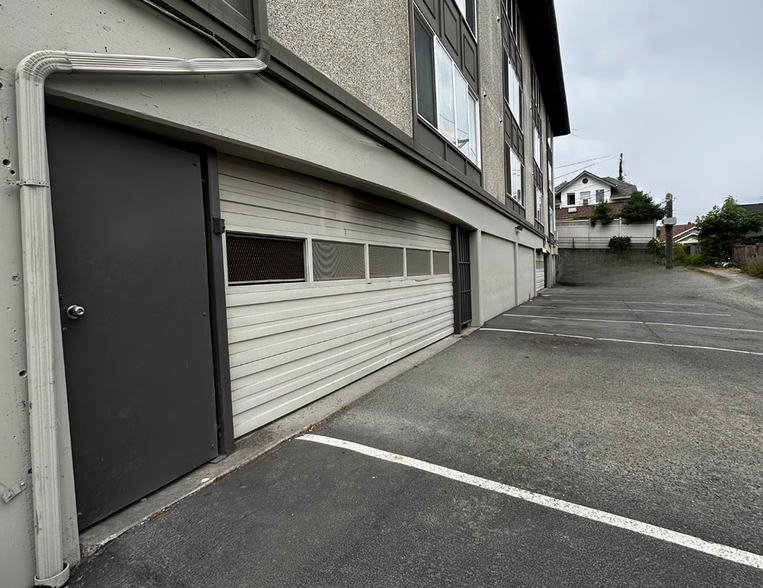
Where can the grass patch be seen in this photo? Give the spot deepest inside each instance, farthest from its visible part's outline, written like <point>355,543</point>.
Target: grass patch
<point>712,275</point>
<point>754,268</point>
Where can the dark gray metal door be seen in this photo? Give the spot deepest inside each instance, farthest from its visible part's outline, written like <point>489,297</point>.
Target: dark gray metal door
<point>128,216</point>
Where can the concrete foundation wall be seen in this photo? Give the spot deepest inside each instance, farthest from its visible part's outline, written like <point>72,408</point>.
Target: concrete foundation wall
<point>597,266</point>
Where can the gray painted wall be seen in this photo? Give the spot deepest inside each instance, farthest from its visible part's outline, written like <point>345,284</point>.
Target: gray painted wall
<point>498,287</point>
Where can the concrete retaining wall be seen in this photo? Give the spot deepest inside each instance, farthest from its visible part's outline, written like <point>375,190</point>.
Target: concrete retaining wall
<point>595,266</point>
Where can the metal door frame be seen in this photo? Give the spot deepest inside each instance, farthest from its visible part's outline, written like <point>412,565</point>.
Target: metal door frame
<point>215,269</point>
<point>462,303</point>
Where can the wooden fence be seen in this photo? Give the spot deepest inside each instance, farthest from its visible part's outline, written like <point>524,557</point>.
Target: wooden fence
<point>745,253</point>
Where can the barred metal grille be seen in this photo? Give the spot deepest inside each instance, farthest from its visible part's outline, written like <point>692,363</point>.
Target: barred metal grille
<point>338,261</point>
<point>441,262</point>
<point>419,262</point>
<point>385,262</point>
<point>261,259</point>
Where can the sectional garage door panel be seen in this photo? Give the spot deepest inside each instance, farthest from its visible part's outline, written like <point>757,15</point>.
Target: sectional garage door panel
<point>292,343</point>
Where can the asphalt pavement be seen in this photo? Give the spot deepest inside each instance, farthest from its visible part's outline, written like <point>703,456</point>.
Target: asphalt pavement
<point>595,436</point>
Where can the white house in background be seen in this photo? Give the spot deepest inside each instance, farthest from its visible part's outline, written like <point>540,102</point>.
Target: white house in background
<point>686,234</point>
<point>577,197</point>
<point>575,201</point>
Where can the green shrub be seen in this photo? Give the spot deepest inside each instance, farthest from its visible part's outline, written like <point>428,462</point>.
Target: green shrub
<point>656,248</point>
<point>693,259</point>
<point>754,268</point>
<point>620,243</point>
<point>680,251</point>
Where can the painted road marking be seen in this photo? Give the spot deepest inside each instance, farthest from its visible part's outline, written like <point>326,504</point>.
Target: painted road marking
<point>625,341</point>
<point>558,298</point>
<point>569,318</point>
<point>707,547</point>
<point>626,310</point>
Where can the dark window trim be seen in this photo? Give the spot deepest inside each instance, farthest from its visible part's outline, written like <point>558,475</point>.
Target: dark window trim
<point>229,29</point>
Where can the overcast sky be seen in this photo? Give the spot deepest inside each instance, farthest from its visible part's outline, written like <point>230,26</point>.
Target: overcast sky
<point>674,85</point>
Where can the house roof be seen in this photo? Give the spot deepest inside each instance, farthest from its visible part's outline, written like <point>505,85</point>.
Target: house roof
<point>753,209</point>
<point>542,33</point>
<point>678,230</point>
<point>620,188</point>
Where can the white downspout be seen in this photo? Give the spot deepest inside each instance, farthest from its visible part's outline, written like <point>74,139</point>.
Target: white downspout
<point>39,268</point>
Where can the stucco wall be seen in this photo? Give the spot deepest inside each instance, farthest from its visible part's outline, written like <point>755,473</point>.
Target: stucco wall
<point>491,99</point>
<point>363,46</point>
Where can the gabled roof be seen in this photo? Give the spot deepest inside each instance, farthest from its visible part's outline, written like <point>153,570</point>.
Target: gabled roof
<point>620,188</point>
<point>624,189</point>
<point>752,208</point>
<point>679,230</point>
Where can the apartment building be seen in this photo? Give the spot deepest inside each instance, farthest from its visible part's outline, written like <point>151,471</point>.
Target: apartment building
<point>215,212</point>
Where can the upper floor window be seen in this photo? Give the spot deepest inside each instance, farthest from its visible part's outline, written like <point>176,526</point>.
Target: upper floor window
<point>571,199</point>
<point>511,10</point>
<point>536,145</point>
<point>599,195</point>
<point>443,96</point>
<point>469,11</point>
<point>515,175</point>
<point>513,89</point>
<point>585,197</point>
<point>539,204</point>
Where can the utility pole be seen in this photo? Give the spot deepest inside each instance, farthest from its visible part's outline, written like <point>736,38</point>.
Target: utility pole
<point>620,175</point>
<point>669,222</point>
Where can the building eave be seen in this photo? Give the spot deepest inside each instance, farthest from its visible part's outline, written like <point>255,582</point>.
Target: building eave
<point>543,36</point>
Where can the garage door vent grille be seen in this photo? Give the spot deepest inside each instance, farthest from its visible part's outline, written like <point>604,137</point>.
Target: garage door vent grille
<point>441,261</point>
<point>338,261</point>
<point>385,262</point>
<point>419,262</point>
<point>254,259</point>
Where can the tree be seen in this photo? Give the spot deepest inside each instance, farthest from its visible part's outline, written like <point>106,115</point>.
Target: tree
<point>723,227</point>
<point>602,212</point>
<point>640,207</point>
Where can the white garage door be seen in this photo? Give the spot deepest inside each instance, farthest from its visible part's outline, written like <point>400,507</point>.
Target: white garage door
<point>325,285</point>
<point>540,271</point>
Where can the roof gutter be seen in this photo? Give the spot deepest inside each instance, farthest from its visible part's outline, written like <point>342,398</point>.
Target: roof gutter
<point>41,314</point>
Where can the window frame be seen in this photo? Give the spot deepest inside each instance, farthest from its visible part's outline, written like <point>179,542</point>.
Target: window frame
<point>539,216</point>
<point>512,157</point>
<point>573,199</point>
<point>472,100</point>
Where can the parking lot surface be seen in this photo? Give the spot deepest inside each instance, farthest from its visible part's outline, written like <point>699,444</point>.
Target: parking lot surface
<point>594,436</point>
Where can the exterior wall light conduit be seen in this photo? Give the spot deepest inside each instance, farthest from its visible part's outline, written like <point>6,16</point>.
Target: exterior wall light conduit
<point>39,268</point>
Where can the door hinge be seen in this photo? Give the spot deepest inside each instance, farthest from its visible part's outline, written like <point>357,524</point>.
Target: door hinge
<point>13,491</point>
<point>218,225</point>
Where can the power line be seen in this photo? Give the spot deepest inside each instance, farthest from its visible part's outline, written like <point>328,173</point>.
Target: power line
<point>583,168</point>
<point>584,161</point>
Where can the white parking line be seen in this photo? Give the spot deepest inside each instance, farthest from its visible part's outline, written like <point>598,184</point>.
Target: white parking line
<point>569,318</point>
<point>714,549</point>
<point>618,302</point>
<point>627,310</point>
<point>626,341</point>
